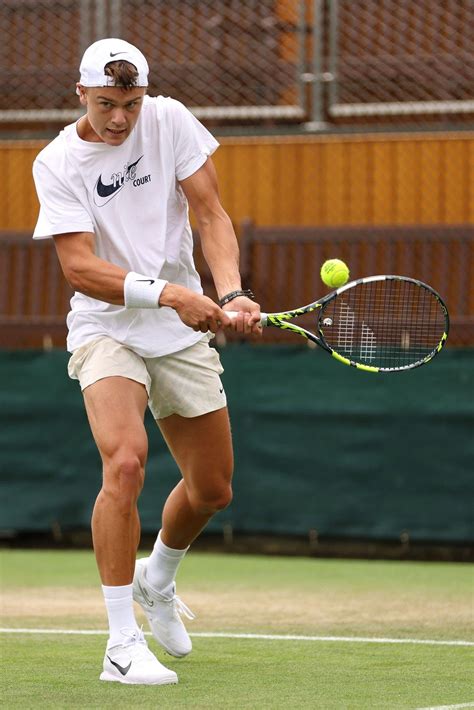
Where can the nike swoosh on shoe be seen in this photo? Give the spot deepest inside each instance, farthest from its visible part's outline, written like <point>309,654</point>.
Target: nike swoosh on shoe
<point>145,595</point>
<point>123,669</point>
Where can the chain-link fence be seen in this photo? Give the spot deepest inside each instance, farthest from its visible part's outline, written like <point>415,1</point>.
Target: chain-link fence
<point>225,60</point>
<point>401,57</point>
<point>314,62</point>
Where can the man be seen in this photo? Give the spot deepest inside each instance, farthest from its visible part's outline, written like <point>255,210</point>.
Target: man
<point>114,190</point>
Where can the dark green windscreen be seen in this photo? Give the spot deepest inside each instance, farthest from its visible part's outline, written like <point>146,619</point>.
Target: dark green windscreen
<point>318,446</point>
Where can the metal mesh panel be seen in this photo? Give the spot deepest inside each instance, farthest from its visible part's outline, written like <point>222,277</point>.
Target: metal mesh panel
<point>39,53</point>
<point>228,59</point>
<point>314,62</point>
<point>399,57</point>
<point>216,54</point>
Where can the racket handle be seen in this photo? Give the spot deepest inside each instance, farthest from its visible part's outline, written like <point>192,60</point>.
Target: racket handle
<point>234,314</point>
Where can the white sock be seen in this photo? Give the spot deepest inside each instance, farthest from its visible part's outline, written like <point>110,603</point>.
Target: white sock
<point>119,605</point>
<point>163,565</point>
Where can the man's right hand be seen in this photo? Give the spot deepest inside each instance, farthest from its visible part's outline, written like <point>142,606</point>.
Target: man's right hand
<point>195,310</point>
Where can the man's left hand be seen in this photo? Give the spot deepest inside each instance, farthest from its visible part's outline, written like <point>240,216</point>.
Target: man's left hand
<point>248,316</point>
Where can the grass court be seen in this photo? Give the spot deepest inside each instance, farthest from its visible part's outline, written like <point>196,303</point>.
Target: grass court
<point>270,632</point>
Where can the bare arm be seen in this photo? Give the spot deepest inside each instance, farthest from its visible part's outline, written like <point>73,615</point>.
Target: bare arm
<point>219,243</point>
<point>87,273</point>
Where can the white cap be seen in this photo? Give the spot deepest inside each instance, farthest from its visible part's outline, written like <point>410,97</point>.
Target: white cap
<point>110,50</point>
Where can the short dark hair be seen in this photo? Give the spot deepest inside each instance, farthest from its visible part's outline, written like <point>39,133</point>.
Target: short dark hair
<point>123,73</point>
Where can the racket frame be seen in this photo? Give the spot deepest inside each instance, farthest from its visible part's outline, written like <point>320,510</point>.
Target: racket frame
<point>282,318</point>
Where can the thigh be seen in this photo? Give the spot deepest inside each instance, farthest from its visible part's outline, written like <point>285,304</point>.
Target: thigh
<point>115,383</point>
<point>202,448</point>
<point>115,408</point>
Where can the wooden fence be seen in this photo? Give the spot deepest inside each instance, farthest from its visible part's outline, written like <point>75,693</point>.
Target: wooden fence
<point>281,264</point>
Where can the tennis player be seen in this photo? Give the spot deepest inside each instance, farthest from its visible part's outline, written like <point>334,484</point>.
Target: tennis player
<point>114,190</point>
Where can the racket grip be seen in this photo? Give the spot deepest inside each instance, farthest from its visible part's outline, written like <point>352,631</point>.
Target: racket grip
<point>234,314</point>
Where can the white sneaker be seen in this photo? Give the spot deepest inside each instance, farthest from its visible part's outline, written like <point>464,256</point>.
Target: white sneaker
<point>163,613</point>
<point>132,662</point>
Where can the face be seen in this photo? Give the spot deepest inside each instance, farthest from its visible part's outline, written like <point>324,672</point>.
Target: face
<point>111,113</point>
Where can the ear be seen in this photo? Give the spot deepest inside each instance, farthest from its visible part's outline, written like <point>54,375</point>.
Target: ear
<point>82,93</point>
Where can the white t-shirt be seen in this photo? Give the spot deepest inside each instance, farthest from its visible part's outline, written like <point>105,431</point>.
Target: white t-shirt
<point>130,198</point>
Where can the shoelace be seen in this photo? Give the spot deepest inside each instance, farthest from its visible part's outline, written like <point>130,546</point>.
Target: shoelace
<point>181,608</point>
<point>177,604</point>
<point>133,636</point>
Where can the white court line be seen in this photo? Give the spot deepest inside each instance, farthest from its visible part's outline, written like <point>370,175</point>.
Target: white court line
<point>449,707</point>
<point>263,637</point>
<point>342,639</point>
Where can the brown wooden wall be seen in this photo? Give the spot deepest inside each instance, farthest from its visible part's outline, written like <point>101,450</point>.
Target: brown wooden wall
<point>338,183</point>
<point>351,180</point>
<point>314,180</point>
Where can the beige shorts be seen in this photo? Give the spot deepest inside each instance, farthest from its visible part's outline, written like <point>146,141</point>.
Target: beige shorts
<point>185,383</point>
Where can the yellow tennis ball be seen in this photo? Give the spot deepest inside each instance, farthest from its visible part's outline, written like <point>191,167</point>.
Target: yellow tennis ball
<point>334,273</point>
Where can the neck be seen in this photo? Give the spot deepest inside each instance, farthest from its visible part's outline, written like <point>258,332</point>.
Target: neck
<point>86,132</point>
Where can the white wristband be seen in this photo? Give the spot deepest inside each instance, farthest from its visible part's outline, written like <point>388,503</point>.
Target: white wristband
<point>142,291</point>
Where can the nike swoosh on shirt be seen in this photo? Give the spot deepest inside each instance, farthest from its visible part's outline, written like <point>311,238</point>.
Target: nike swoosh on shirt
<point>123,669</point>
<point>107,190</point>
<point>104,190</point>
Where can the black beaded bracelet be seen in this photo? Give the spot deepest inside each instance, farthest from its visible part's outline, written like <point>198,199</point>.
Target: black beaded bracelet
<point>234,294</point>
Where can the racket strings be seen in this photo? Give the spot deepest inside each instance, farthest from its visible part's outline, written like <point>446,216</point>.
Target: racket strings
<point>388,323</point>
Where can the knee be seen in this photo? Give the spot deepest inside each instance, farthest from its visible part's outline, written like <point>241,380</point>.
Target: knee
<point>124,476</point>
<point>212,501</point>
<point>223,500</point>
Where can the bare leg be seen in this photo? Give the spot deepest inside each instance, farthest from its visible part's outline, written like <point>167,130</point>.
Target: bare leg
<point>115,408</point>
<point>202,448</point>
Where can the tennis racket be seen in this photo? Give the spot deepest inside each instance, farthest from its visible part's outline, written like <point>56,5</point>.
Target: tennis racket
<point>376,324</point>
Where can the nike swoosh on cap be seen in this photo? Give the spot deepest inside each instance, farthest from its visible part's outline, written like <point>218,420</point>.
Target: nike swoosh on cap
<point>114,54</point>
<point>123,669</point>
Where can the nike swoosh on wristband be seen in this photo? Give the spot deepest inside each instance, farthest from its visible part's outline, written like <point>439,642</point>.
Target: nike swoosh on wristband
<point>123,669</point>
<point>147,281</point>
